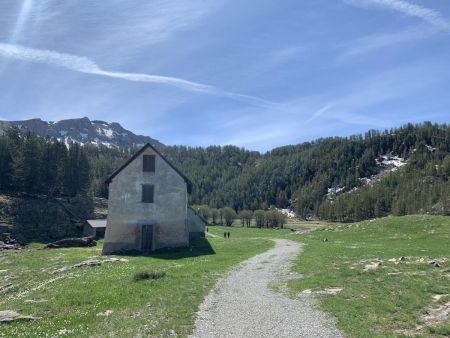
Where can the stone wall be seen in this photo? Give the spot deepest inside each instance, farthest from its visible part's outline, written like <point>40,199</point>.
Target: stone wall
<point>126,212</point>
<point>196,224</point>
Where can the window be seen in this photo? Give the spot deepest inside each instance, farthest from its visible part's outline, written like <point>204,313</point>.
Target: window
<point>147,193</point>
<point>148,163</point>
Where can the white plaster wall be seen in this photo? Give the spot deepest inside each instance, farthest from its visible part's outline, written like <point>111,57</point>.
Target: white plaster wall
<point>195,223</point>
<point>168,213</point>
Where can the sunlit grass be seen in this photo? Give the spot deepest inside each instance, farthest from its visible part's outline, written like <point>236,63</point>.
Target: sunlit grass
<point>379,303</point>
<point>105,300</point>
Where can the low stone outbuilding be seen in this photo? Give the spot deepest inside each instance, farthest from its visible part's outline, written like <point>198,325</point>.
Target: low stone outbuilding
<point>147,206</point>
<point>95,228</point>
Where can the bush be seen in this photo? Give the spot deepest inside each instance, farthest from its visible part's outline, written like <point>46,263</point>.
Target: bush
<point>148,274</point>
<point>260,218</point>
<point>229,215</point>
<point>246,217</point>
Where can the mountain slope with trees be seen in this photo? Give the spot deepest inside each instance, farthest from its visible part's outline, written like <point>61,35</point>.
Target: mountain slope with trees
<point>301,176</point>
<point>329,178</point>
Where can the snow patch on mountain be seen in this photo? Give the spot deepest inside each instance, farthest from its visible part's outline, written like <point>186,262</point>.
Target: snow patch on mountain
<point>389,160</point>
<point>288,212</point>
<point>430,148</point>
<point>387,164</point>
<point>332,192</point>
<point>105,131</point>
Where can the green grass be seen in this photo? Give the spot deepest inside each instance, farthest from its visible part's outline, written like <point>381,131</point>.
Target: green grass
<point>75,301</point>
<point>148,274</point>
<point>392,298</point>
<point>295,224</point>
<point>379,303</point>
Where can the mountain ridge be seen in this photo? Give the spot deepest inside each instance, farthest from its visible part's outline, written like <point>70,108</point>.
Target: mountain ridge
<point>82,131</point>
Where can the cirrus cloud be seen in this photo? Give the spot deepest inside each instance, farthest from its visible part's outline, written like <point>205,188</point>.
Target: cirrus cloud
<point>86,65</point>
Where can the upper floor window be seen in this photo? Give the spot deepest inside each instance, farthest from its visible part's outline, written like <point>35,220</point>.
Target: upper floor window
<point>148,163</point>
<point>148,191</point>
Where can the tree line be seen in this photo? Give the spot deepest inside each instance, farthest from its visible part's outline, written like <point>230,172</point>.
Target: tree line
<point>300,176</point>
<point>37,166</point>
<point>271,218</point>
<point>296,176</point>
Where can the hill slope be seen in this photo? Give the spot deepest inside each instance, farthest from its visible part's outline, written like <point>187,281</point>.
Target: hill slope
<point>399,171</point>
<point>406,170</point>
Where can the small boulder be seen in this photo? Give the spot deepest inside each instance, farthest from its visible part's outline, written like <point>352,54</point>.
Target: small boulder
<point>72,242</point>
<point>9,316</point>
<point>107,313</point>
<point>6,287</point>
<point>88,263</point>
<point>372,266</point>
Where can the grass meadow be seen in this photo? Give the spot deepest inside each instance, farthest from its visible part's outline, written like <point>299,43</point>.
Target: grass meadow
<point>390,301</point>
<point>107,300</point>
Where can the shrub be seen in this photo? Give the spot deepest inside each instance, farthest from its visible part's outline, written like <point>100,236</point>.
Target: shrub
<point>229,215</point>
<point>148,274</point>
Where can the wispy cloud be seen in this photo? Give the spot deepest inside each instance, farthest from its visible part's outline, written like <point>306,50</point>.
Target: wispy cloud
<point>320,112</point>
<point>370,102</point>
<point>85,65</point>
<point>166,18</point>
<point>370,43</point>
<point>385,88</point>
<point>24,13</point>
<point>428,15</point>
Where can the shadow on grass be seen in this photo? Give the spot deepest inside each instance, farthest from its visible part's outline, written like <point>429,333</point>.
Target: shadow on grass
<point>199,247</point>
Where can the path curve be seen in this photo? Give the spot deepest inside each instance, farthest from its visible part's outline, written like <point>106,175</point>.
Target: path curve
<point>242,305</point>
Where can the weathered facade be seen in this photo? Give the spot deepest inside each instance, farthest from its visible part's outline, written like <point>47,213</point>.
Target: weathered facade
<point>147,206</point>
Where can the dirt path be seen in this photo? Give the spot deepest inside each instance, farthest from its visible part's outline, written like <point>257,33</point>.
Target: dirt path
<point>209,234</point>
<point>242,305</point>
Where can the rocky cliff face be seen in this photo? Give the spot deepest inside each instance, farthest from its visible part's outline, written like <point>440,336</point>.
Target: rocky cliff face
<point>83,131</point>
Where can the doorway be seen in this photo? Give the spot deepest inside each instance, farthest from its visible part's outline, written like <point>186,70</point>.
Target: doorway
<point>146,237</point>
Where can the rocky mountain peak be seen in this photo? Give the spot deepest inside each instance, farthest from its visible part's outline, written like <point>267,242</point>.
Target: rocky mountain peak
<point>82,131</point>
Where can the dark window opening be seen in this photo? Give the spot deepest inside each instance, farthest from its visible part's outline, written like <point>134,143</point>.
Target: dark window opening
<point>148,191</point>
<point>149,163</point>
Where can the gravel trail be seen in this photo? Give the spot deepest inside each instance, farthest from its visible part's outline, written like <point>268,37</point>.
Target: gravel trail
<point>242,305</point>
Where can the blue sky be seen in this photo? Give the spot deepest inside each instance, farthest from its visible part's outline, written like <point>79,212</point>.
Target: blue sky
<point>253,74</point>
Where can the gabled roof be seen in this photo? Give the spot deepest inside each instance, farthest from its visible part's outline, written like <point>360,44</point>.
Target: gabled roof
<point>198,214</point>
<point>148,145</point>
<point>97,223</point>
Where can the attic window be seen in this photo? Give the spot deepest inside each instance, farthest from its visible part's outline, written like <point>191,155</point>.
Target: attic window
<point>148,193</point>
<point>148,163</point>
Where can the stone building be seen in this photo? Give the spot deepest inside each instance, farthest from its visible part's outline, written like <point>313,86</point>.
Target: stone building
<point>147,206</point>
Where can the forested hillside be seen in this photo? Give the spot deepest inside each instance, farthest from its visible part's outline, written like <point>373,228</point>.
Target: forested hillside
<point>305,176</point>
<point>342,179</point>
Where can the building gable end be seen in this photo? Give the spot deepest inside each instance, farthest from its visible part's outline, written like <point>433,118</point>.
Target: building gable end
<point>135,156</point>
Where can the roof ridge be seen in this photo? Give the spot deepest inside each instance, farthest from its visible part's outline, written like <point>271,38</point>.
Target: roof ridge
<point>132,158</point>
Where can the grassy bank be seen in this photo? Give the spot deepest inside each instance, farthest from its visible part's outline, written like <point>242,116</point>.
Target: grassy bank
<point>392,299</point>
<point>106,300</point>
<point>389,301</point>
